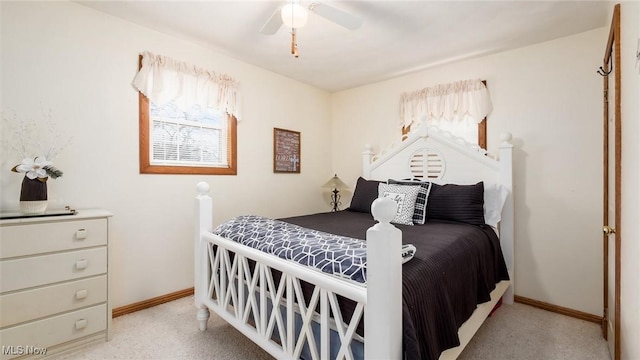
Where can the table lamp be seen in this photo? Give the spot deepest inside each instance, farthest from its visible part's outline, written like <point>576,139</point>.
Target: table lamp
<point>335,184</point>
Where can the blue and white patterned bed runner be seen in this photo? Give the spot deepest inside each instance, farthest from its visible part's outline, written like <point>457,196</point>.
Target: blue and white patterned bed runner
<point>338,255</point>
<point>333,254</point>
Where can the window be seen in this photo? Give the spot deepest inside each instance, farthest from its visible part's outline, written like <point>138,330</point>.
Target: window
<point>460,108</point>
<point>469,133</point>
<point>197,141</point>
<point>188,118</point>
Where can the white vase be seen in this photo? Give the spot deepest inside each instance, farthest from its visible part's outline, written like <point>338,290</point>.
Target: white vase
<point>33,207</point>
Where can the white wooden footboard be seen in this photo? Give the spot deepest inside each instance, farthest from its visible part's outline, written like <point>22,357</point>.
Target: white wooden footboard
<point>238,283</point>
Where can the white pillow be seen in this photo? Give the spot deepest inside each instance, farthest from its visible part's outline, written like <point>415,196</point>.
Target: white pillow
<point>405,196</point>
<point>494,197</point>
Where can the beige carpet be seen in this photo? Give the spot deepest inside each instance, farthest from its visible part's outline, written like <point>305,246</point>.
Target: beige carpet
<point>523,332</point>
<point>170,331</point>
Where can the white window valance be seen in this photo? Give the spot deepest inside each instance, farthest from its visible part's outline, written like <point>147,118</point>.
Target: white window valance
<point>454,101</point>
<point>164,80</point>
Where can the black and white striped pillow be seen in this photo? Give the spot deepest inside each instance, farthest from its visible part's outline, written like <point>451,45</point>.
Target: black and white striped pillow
<point>420,209</point>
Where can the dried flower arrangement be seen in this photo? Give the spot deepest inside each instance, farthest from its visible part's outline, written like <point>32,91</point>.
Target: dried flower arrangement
<point>27,137</point>
<point>27,141</point>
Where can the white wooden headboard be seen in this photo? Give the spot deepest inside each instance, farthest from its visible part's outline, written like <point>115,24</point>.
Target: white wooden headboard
<point>433,155</point>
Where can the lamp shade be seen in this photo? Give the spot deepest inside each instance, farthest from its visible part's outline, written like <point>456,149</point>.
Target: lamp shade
<point>294,15</point>
<point>335,183</point>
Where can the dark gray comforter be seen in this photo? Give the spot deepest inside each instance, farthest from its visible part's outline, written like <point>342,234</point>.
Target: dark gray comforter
<point>456,266</point>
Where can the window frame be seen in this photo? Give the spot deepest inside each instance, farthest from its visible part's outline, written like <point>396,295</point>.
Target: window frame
<point>145,146</point>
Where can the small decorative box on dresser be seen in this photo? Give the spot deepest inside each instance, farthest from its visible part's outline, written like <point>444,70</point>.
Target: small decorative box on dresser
<point>54,283</point>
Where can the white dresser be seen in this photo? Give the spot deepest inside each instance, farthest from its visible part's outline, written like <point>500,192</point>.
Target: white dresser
<point>54,283</point>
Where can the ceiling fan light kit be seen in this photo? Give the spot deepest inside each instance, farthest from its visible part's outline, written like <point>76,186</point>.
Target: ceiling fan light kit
<point>294,16</point>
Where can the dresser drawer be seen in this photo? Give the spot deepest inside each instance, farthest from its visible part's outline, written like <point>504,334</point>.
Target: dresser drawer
<point>29,239</point>
<point>37,303</point>
<point>55,330</point>
<point>32,271</point>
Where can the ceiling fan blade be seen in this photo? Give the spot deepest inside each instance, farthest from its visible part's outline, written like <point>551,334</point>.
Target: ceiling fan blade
<point>335,15</point>
<point>273,24</point>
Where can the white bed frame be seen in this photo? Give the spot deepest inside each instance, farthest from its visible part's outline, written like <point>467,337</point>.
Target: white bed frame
<point>247,307</point>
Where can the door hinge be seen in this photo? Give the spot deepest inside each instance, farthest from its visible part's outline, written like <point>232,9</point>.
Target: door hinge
<point>605,315</point>
<point>606,95</point>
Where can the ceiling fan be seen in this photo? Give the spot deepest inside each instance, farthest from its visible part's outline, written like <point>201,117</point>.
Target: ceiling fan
<point>294,15</point>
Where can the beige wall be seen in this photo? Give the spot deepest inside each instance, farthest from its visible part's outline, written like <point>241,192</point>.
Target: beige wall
<point>549,96</point>
<point>630,282</point>
<point>79,63</point>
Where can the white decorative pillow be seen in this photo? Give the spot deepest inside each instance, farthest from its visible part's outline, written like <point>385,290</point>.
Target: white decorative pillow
<point>420,211</point>
<point>494,198</point>
<point>405,196</point>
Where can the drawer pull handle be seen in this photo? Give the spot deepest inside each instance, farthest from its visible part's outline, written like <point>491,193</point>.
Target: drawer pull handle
<point>81,234</point>
<point>81,324</point>
<point>81,294</point>
<point>82,264</point>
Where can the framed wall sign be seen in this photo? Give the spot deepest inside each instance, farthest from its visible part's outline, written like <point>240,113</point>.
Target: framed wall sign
<point>286,151</point>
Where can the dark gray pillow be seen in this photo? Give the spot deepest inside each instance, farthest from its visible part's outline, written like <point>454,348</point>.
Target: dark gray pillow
<point>366,191</point>
<point>461,203</point>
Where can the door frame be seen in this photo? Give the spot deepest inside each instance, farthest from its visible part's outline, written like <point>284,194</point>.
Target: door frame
<point>611,61</point>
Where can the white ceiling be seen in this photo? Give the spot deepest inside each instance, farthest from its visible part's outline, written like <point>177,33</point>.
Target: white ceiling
<point>396,37</point>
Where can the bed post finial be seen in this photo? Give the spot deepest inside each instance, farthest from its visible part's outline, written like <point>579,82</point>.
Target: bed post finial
<point>204,223</point>
<point>383,315</point>
<point>505,138</point>
<point>384,210</point>
<point>202,188</point>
